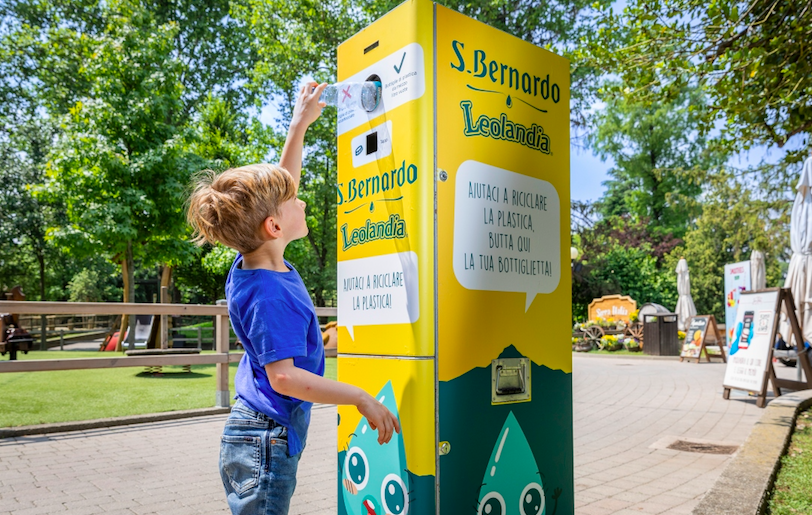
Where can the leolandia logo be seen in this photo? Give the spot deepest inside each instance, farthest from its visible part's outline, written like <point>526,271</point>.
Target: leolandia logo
<point>502,128</point>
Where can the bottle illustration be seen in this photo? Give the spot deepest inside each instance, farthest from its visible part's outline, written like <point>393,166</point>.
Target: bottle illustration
<point>349,95</point>
<point>512,484</point>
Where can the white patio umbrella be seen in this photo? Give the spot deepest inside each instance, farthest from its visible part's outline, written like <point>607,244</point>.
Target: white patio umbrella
<point>685,304</point>
<point>799,274</point>
<point>758,272</point>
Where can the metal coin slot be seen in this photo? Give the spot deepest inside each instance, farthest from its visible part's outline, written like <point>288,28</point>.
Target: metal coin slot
<point>373,46</point>
<point>510,380</point>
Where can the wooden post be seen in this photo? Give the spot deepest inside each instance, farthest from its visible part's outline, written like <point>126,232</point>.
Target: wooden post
<point>164,319</point>
<point>43,327</point>
<point>221,328</point>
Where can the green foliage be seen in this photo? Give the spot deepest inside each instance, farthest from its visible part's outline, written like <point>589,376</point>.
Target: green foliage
<point>622,256</point>
<point>124,81</point>
<point>791,494</point>
<point>23,217</point>
<point>734,222</point>
<point>557,25</point>
<point>659,160</point>
<point>86,286</point>
<point>119,162</point>
<point>223,137</point>
<point>749,57</point>
<point>297,39</point>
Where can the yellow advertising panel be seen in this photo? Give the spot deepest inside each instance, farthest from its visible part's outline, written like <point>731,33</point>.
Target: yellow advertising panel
<point>386,190</point>
<point>397,477</point>
<point>504,299</point>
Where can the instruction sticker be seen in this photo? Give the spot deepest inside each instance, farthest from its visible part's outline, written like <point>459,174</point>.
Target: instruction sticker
<point>378,290</point>
<point>506,231</point>
<point>372,145</point>
<point>403,79</point>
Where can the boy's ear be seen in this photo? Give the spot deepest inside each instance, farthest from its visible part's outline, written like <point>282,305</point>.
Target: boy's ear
<point>271,228</point>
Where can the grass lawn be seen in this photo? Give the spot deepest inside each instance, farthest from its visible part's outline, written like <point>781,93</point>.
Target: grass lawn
<point>793,494</point>
<point>69,395</point>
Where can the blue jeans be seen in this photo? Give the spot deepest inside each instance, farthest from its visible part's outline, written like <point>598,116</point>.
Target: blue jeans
<point>258,474</point>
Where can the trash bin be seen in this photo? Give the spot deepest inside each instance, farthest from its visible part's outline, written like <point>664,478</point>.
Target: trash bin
<point>660,335</point>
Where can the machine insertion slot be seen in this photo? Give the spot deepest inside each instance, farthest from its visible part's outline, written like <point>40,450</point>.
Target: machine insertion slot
<point>510,380</point>
<point>373,46</point>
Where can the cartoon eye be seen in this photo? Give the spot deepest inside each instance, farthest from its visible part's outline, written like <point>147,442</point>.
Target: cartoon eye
<point>492,504</point>
<point>394,495</point>
<point>356,467</point>
<point>532,500</point>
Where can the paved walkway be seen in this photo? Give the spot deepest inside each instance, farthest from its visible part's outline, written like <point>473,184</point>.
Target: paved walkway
<point>626,412</point>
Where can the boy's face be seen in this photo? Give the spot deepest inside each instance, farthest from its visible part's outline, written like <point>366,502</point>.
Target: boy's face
<point>292,218</point>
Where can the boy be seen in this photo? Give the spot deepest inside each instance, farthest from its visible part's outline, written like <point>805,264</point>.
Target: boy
<point>254,210</point>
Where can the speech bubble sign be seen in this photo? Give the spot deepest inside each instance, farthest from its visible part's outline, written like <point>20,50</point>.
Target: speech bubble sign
<point>506,231</point>
<point>378,290</point>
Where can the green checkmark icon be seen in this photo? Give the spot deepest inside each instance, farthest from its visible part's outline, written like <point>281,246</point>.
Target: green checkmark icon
<point>400,66</point>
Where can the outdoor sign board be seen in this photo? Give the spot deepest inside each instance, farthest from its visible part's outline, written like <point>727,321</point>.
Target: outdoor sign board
<point>751,344</point>
<point>701,336</point>
<point>619,307</point>
<point>751,354</point>
<point>453,246</point>
<point>737,280</point>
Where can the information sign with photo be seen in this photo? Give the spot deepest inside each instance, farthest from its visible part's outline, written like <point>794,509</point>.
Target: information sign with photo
<point>750,361</point>
<point>751,343</point>
<point>701,338</point>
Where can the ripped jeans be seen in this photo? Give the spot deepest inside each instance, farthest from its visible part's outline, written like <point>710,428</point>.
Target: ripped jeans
<point>258,474</point>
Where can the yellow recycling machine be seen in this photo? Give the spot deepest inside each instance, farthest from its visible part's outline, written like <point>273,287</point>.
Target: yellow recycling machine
<point>453,284</point>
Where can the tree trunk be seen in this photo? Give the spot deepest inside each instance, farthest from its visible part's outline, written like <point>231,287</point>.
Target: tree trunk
<point>43,320</point>
<point>128,275</point>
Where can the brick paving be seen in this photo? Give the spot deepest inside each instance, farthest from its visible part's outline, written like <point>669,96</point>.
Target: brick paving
<point>626,412</point>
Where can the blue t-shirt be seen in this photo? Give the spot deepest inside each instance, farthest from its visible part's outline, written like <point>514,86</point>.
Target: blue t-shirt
<point>274,319</point>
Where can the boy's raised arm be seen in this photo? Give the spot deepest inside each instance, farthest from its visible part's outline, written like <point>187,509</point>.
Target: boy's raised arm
<point>306,111</point>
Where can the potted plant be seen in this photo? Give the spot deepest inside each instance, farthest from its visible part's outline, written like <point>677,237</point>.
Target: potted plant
<point>632,345</point>
<point>581,345</point>
<point>610,342</point>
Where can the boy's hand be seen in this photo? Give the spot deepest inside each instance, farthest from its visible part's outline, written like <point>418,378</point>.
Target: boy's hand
<point>380,418</point>
<point>308,108</point>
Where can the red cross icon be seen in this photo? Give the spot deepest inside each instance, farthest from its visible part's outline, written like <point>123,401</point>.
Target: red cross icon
<point>346,92</point>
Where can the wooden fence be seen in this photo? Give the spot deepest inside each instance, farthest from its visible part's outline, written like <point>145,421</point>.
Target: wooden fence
<point>221,357</point>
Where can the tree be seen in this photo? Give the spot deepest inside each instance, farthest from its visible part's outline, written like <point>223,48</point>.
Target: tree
<point>621,255</point>
<point>119,163</point>
<point>750,57</point>
<point>298,39</point>
<point>660,160</point>
<point>24,218</point>
<point>222,137</point>
<point>735,220</point>
<point>96,65</point>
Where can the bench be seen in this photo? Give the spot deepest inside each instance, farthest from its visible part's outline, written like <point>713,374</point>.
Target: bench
<point>161,352</point>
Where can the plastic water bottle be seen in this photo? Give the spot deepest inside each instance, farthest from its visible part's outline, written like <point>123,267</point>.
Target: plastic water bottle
<point>365,95</point>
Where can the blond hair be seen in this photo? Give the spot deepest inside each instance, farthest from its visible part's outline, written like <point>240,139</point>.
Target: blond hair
<point>229,207</point>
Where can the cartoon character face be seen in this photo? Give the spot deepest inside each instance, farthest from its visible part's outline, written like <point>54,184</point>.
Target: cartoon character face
<point>512,484</point>
<point>374,476</point>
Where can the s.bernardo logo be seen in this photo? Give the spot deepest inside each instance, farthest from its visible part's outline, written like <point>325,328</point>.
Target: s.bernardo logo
<point>495,73</point>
